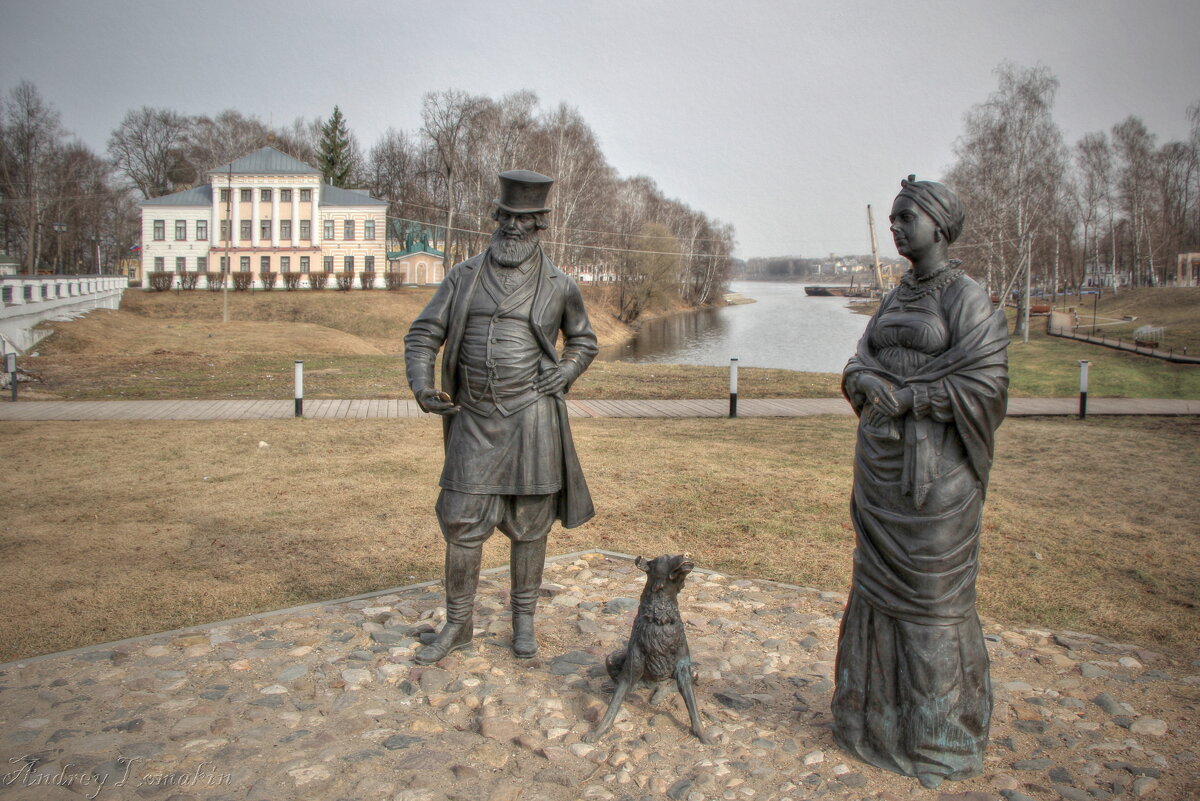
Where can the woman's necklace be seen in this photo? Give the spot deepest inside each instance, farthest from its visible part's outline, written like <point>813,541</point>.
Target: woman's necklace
<point>913,287</point>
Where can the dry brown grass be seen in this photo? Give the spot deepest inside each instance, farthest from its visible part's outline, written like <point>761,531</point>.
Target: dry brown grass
<point>172,345</point>
<point>118,529</point>
<point>105,333</point>
<point>381,318</point>
<point>1176,310</point>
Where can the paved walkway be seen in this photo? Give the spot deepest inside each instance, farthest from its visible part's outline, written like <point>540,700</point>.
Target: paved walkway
<point>352,409</point>
<point>324,701</point>
<point>1061,324</point>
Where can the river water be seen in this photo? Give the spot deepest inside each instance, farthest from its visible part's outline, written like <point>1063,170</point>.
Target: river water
<point>784,328</point>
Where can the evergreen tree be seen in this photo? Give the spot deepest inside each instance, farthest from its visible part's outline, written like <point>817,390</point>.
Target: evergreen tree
<point>336,155</point>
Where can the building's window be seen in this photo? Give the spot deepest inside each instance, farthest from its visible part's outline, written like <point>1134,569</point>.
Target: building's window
<point>349,263</point>
<point>348,229</point>
<point>264,195</point>
<point>244,264</point>
<point>201,264</point>
<point>224,264</point>
<point>368,229</point>
<point>180,264</point>
<point>160,230</point>
<point>285,229</point>
<point>224,230</point>
<point>329,264</point>
<point>224,195</point>
<point>306,230</point>
<point>264,264</point>
<point>202,229</point>
<point>329,230</point>
<point>180,230</point>
<point>247,195</point>
<point>285,196</point>
<point>285,264</point>
<point>158,264</point>
<point>244,225</point>
<point>305,195</point>
<point>304,264</point>
<point>264,229</point>
<point>369,264</point>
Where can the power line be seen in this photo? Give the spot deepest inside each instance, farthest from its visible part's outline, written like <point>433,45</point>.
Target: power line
<point>573,245</point>
<point>572,230</point>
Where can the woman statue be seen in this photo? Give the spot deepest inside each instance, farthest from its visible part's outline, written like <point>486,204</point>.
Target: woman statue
<point>930,385</point>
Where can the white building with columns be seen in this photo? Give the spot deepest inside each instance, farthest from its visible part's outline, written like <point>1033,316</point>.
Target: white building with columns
<point>265,213</point>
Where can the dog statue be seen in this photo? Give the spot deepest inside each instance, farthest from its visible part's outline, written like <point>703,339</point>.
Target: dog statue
<point>657,650</point>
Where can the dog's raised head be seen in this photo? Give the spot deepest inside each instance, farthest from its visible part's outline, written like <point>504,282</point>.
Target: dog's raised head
<point>667,572</point>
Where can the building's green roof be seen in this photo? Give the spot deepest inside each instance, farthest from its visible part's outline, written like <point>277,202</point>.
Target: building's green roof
<point>415,236</point>
<point>196,196</point>
<point>336,196</point>
<point>266,161</point>
<point>416,248</point>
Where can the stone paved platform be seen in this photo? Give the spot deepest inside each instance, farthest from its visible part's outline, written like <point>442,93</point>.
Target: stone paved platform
<point>395,408</point>
<point>324,702</point>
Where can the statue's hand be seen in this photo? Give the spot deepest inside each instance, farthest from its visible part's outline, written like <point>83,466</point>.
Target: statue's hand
<point>551,382</point>
<point>878,394</point>
<point>430,400</point>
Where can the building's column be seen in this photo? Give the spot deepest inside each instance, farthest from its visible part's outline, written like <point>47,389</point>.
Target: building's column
<point>254,216</point>
<point>17,295</point>
<point>214,225</point>
<point>235,222</point>
<point>275,217</point>
<point>317,232</point>
<point>296,217</point>
<point>214,217</point>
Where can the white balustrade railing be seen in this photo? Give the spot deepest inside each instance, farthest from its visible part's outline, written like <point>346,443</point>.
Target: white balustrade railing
<point>29,300</point>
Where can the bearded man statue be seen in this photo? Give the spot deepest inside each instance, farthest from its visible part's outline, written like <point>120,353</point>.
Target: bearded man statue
<point>510,462</point>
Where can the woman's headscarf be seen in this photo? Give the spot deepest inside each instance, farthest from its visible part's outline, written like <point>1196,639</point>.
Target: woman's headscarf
<point>939,202</point>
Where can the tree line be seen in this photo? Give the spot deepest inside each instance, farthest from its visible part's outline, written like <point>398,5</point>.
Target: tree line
<point>624,231</point>
<point>1042,213</point>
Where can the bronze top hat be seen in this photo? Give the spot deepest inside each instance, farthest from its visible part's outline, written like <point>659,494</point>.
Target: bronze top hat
<point>523,192</point>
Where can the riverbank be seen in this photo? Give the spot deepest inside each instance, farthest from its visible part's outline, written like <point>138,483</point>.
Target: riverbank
<point>155,355</point>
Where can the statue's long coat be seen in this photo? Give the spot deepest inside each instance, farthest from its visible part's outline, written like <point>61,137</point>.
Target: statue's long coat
<point>557,306</point>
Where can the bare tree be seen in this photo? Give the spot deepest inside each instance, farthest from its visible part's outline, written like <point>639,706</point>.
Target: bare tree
<point>148,148</point>
<point>465,140</point>
<point>1010,162</point>
<point>31,134</point>
<point>585,181</point>
<point>213,141</point>
<point>1093,193</point>
<point>392,167</point>
<point>1135,149</point>
<point>448,123</point>
<point>301,140</point>
<point>1175,166</point>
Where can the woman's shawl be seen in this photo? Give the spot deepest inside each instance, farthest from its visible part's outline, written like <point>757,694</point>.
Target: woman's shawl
<point>972,372</point>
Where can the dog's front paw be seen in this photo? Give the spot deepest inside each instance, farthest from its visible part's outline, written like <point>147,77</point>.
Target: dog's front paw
<point>591,737</point>
<point>706,738</point>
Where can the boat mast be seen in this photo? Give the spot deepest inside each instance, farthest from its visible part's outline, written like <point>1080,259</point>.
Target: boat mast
<point>875,251</point>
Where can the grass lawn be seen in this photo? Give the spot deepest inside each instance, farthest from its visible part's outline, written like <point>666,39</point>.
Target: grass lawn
<point>122,528</point>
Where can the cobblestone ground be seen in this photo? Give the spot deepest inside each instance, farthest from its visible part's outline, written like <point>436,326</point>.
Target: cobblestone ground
<point>325,703</point>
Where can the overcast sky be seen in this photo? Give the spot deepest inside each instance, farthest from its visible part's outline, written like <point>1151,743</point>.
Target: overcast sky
<point>783,118</point>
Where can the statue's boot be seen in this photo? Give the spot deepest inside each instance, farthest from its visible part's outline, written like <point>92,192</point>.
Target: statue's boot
<point>462,578</point>
<point>528,560</point>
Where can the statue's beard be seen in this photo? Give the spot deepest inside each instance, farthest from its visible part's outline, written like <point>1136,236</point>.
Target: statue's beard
<point>512,251</point>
